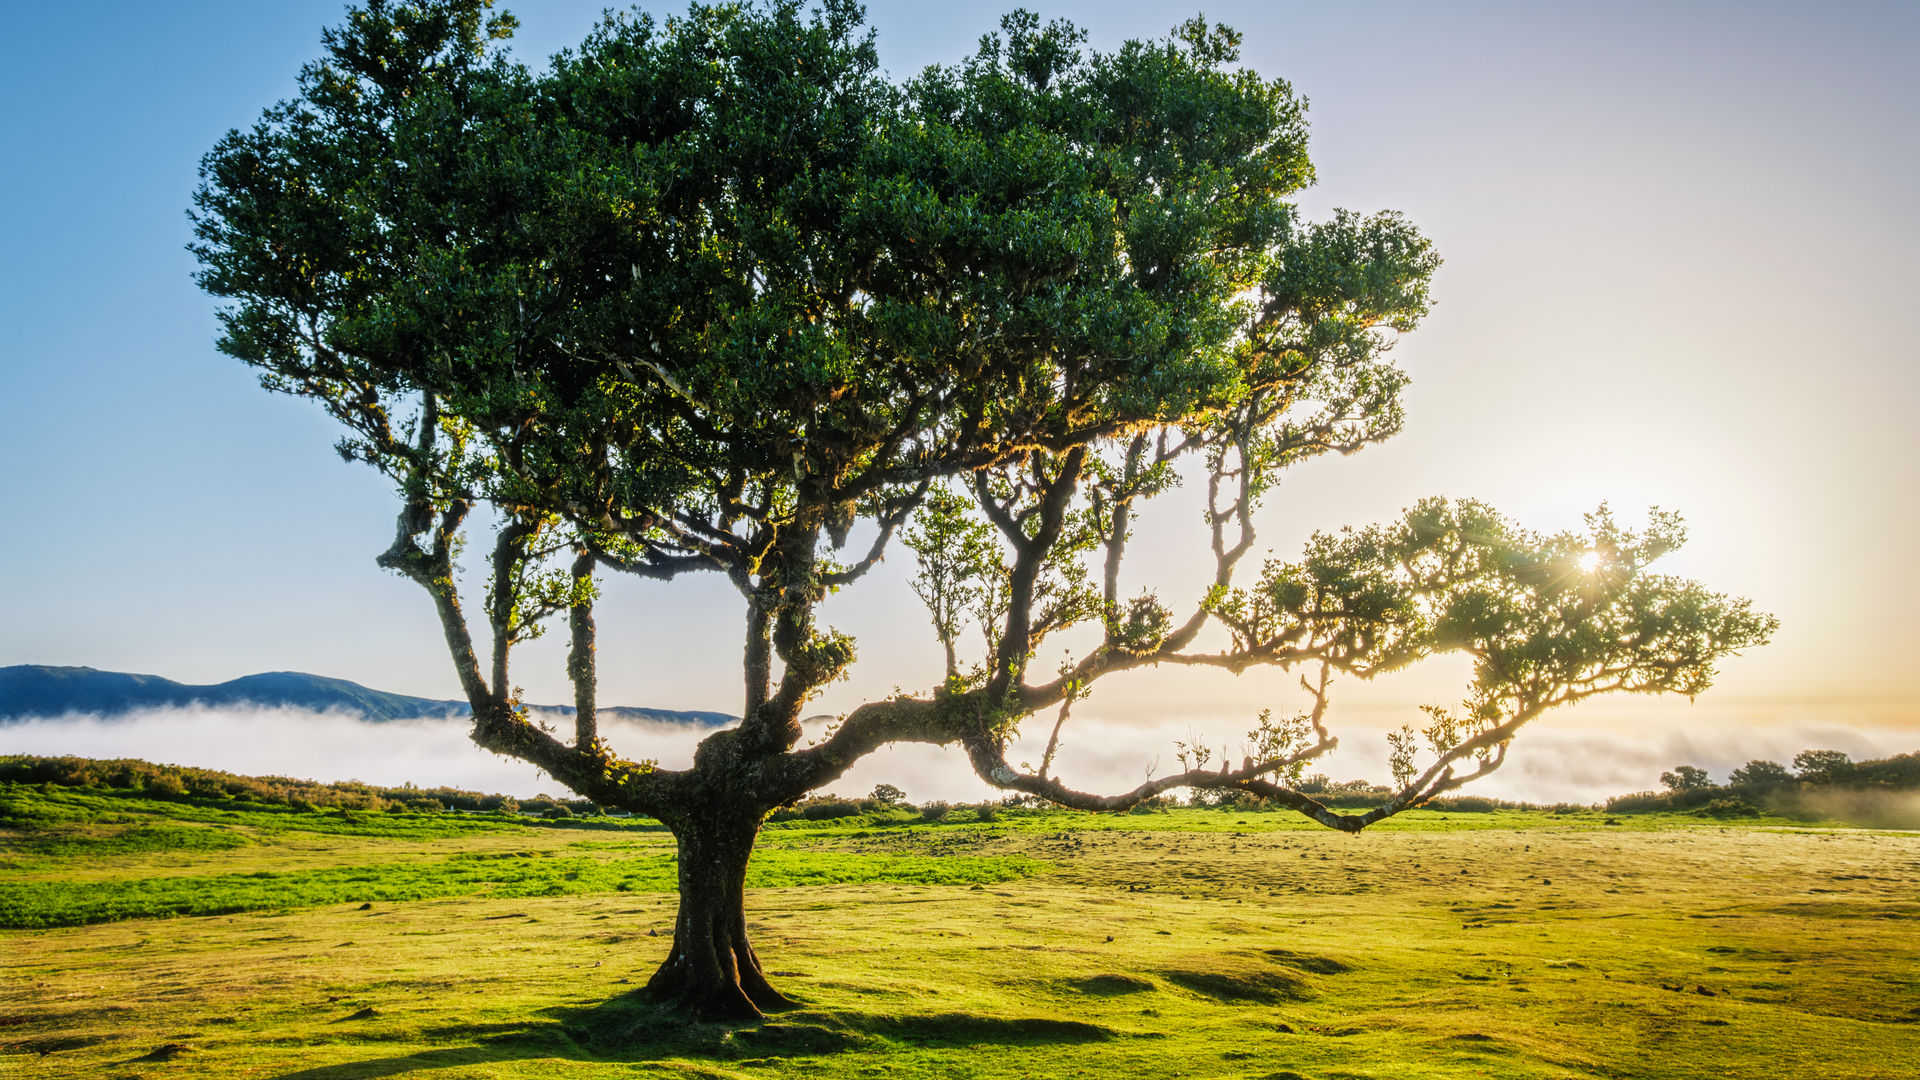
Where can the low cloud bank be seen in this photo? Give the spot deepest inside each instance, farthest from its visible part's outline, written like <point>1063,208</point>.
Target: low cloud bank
<point>325,746</point>
<point>1547,764</point>
<point>1874,809</point>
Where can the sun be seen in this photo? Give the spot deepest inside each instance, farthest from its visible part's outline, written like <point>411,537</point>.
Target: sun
<point>1588,562</point>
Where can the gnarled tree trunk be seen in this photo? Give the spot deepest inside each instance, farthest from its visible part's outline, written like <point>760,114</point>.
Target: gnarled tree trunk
<point>712,973</point>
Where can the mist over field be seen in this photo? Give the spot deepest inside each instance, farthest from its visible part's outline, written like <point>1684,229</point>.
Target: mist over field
<point>1548,763</point>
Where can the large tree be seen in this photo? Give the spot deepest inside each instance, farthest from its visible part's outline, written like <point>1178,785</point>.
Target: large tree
<point>717,296</point>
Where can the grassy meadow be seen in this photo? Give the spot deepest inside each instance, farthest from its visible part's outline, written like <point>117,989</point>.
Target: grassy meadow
<point>171,938</point>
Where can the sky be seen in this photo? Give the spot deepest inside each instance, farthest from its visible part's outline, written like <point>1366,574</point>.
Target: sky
<point>1678,248</point>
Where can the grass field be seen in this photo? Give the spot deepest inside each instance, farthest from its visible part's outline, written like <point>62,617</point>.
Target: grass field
<point>1183,944</point>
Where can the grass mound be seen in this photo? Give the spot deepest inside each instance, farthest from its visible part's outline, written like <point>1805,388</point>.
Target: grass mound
<point>1319,965</point>
<point>1245,984</point>
<point>1263,977</point>
<point>1109,985</point>
<point>971,1029</point>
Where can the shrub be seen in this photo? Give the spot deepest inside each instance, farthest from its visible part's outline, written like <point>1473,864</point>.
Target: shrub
<point>1228,799</point>
<point>165,786</point>
<point>1685,778</point>
<point>1760,774</point>
<point>1729,808</point>
<point>829,809</point>
<point>936,810</point>
<point>1653,801</point>
<point>1464,804</point>
<point>1822,766</point>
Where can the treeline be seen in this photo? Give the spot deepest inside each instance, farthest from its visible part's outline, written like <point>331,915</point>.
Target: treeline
<point>1364,794</point>
<point>186,782</point>
<point>1814,782</point>
<point>888,804</point>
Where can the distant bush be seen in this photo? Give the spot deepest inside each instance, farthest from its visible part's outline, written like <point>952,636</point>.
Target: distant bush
<point>1153,804</point>
<point>1465,804</point>
<point>1686,778</point>
<point>1899,771</point>
<point>1354,800</point>
<point>1760,774</point>
<point>1823,766</point>
<point>212,785</point>
<point>936,810</point>
<point>1228,799</point>
<point>986,811</point>
<point>1729,808</point>
<point>1645,802</point>
<point>165,785</point>
<point>829,809</point>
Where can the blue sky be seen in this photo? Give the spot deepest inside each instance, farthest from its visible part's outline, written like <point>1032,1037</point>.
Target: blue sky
<point>1679,244</point>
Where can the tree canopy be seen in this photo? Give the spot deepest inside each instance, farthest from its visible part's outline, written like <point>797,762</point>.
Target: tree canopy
<point>714,294</point>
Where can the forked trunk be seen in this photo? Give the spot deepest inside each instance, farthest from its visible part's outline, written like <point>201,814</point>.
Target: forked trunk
<point>712,973</point>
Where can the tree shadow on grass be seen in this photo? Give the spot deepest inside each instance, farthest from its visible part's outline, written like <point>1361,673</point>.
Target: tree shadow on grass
<point>627,1030</point>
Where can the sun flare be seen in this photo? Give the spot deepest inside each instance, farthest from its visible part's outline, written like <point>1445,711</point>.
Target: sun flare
<point>1588,562</point>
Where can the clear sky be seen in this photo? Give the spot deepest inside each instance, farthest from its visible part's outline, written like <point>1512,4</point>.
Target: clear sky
<point>1679,244</point>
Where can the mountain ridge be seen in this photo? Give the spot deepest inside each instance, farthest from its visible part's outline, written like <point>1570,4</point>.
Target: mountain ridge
<point>42,691</point>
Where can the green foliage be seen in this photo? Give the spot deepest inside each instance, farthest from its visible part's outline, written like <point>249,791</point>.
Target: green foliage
<point>829,809</point>
<point>1686,778</point>
<point>1822,766</point>
<point>1830,787</point>
<point>1729,808</point>
<point>70,845</point>
<point>1759,773</point>
<point>703,295</point>
<point>212,786</point>
<point>31,809</point>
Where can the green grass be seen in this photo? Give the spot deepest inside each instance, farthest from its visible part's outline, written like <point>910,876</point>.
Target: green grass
<point>520,874</point>
<point>28,807</point>
<point>1192,944</point>
<point>69,844</point>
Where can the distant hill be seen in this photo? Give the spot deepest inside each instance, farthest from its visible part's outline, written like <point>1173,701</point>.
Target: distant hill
<point>36,690</point>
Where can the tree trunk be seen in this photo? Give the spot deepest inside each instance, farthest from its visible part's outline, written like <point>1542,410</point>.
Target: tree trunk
<point>712,973</point>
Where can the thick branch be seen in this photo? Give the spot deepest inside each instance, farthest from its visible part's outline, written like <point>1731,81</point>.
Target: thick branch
<point>580,657</point>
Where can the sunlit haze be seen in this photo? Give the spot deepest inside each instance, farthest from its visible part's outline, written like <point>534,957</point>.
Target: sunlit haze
<point>1678,244</point>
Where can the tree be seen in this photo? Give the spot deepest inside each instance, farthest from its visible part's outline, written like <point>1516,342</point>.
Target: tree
<point>1822,766</point>
<point>1758,773</point>
<point>716,296</point>
<point>1686,778</point>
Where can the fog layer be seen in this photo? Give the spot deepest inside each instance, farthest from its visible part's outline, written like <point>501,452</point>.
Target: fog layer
<point>1547,763</point>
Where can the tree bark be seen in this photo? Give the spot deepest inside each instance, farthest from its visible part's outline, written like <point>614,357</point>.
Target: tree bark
<point>712,973</point>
